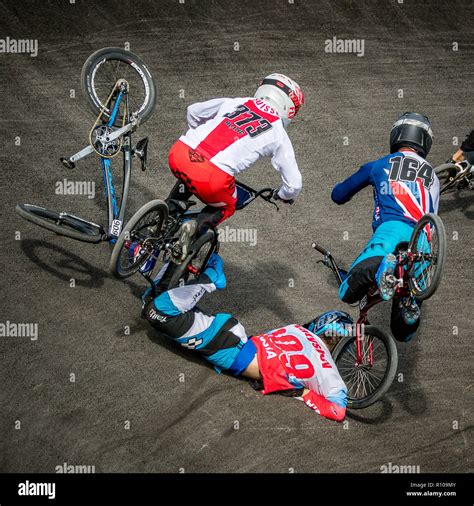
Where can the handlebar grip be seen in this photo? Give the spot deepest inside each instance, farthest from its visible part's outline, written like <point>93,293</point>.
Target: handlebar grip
<point>319,248</point>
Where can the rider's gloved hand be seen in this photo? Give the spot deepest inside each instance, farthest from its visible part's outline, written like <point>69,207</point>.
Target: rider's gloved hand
<point>468,143</point>
<point>275,196</point>
<point>215,271</point>
<point>467,148</point>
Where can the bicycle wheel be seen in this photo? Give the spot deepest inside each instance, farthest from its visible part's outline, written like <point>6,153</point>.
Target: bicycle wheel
<point>196,261</point>
<point>101,71</point>
<point>64,224</point>
<point>447,173</point>
<point>367,383</point>
<point>428,249</point>
<point>137,241</point>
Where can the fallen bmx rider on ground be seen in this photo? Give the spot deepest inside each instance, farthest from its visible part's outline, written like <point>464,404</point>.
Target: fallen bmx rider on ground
<point>291,360</point>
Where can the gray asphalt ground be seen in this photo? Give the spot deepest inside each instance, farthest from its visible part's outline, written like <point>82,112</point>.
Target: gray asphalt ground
<point>426,418</point>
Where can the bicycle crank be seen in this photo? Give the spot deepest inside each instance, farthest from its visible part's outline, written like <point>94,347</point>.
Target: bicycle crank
<point>102,143</point>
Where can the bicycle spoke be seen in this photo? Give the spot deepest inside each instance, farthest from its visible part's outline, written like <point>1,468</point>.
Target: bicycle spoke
<point>363,380</point>
<point>107,76</point>
<point>367,380</point>
<point>370,373</point>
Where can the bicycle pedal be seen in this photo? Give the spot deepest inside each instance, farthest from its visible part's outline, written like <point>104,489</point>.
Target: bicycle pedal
<point>67,163</point>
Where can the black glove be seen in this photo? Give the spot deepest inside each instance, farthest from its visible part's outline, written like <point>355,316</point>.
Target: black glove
<point>468,143</point>
<point>469,156</point>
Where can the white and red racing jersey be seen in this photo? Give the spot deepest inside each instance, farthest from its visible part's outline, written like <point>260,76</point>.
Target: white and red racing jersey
<point>233,133</point>
<point>292,357</point>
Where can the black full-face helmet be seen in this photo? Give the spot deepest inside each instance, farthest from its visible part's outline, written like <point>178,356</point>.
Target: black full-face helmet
<point>412,130</point>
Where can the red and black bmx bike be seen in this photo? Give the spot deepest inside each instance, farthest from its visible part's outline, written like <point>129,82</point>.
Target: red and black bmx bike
<point>367,357</point>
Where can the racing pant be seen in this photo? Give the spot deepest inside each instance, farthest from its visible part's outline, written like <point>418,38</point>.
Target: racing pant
<point>361,275</point>
<point>220,338</point>
<point>208,182</point>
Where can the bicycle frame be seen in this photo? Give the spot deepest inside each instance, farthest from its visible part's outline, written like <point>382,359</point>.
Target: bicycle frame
<point>248,195</point>
<point>115,212</point>
<point>463,169</point>
<point>371,299</point>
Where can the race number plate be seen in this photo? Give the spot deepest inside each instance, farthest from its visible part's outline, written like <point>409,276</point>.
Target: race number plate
<point>116,228</point>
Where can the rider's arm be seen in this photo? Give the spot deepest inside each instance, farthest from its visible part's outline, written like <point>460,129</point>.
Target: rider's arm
<point>467,148</point>
<point>468,142</point>
<point>200,112</point>
<point>323,406</point>
<point>329,396</point>
<point>284,161</point>
<point>343,192</point>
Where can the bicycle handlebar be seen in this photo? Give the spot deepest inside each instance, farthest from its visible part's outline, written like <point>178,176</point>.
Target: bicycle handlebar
<point>265,193</point>
<point>319,248</point>
<point>261,193</point>
<point>329,261</point>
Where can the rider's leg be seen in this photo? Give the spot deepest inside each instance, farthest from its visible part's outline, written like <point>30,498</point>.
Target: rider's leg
<point>220,338</point>
<point>362,274</point>
<point>385,278</point>
<point>220,208</point>
<point>401,330</point>
<point>179,192</point>
<point>209,217</point>
<point>163,278</point>
<point>360,278</point>
<point>212,216</point>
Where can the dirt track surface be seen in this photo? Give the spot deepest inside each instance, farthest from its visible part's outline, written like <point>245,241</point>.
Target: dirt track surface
<point>425,419</point>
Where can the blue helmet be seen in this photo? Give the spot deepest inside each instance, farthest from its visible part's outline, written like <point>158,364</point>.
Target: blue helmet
<point>330,324</point>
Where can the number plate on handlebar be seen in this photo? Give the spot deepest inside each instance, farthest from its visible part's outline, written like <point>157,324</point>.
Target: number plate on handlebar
<point>243,196</point>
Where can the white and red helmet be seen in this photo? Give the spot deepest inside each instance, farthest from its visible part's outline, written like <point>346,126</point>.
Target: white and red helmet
<point>283,94</point>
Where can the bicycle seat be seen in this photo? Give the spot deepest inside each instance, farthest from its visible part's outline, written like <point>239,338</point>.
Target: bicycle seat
<point>183,205</point>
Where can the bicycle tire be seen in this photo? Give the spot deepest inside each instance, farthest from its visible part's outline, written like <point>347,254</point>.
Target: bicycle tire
<point>45,218</point>
<point>390,372</point>
<point>181,270</point>
<point>436,279</point>
<point>445,171</point>
<point>114,266</point>
<point>89,70</point>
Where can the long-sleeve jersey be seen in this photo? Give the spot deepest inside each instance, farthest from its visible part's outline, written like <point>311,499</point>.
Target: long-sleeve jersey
<point>233,133</point>
<point>405,187</point>
<point>289,358</point>
<point>292,357</point>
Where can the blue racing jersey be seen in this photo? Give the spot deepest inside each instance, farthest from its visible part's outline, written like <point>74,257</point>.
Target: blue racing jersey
<point>405,187</point>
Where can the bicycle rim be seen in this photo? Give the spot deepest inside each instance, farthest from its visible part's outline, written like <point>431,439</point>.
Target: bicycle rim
<point>64,224</point>
<point>427,247</point>
<point>368,381</point>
